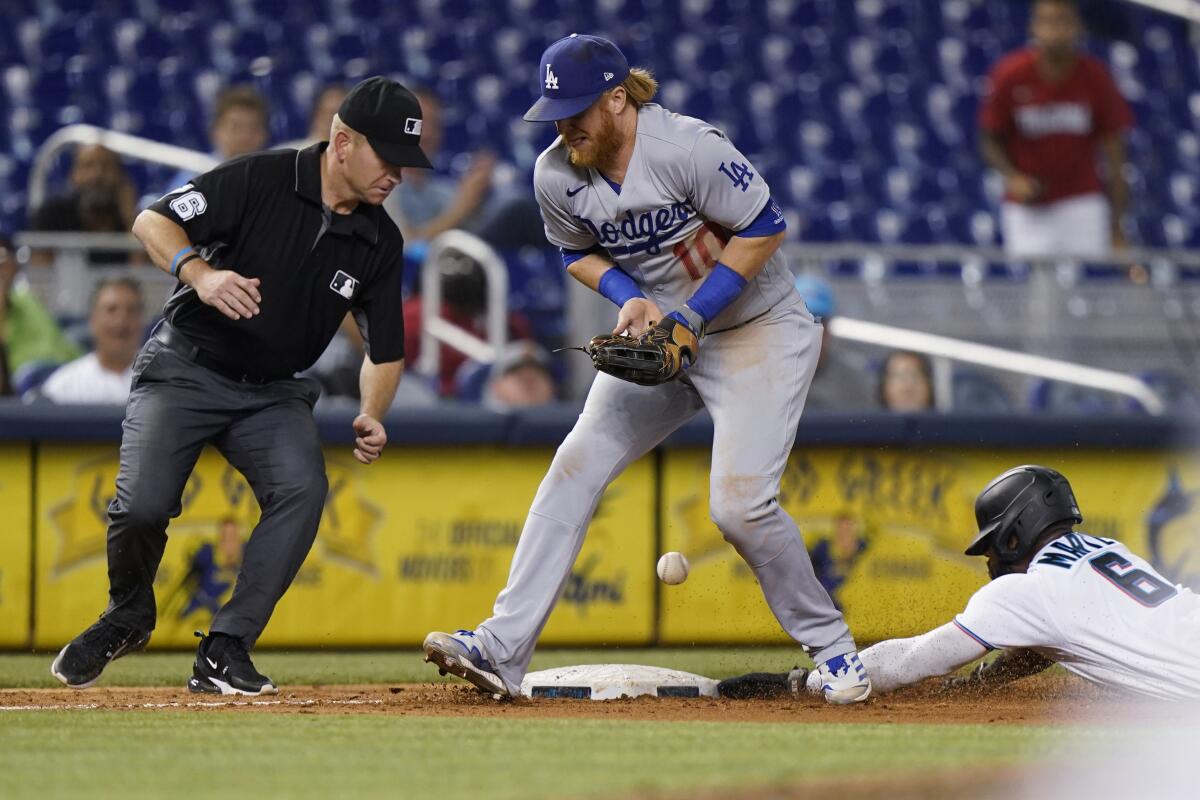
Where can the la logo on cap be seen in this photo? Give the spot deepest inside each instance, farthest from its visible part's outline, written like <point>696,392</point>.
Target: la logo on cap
<point>551,78</point>
<point>412,126</point>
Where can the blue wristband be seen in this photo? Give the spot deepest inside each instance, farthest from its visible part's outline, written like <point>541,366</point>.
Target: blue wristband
<point>617,286</point>
<point>720,288</point>
<point>175,260</point>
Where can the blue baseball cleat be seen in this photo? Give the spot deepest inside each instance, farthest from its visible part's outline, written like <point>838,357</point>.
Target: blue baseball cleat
<point>461,653</point>
<point>844,680</point>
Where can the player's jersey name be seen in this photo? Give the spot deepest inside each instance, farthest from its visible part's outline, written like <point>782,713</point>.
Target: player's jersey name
<point>1066,551</point>
<point>646,232</point>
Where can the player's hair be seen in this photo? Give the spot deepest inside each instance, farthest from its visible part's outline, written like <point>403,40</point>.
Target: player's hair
<point>122,282</point>
<point>241,96</point>
<point>640,86</point>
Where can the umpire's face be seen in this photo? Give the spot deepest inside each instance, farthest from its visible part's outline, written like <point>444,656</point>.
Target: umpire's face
<point>370,177</point>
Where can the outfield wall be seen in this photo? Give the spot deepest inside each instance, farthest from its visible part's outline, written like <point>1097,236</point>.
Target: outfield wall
<point>422,540</point>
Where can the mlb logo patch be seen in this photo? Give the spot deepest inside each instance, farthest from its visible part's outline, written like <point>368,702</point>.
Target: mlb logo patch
<point>344,285</point>
<point>412,126</point>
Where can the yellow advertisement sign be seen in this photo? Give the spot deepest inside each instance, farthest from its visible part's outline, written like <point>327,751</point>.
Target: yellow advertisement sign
<point>421,540</point>
<point>15,544</point>
<point>886,529</point>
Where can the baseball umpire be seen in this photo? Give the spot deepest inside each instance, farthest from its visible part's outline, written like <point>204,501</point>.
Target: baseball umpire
<point>271,251</point>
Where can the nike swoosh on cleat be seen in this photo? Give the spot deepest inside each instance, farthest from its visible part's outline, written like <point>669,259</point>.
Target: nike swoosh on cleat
<point>573,192</point>
<point>211,663</point>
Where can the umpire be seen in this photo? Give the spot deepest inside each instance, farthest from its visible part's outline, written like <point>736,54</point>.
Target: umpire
<point>271,251</point>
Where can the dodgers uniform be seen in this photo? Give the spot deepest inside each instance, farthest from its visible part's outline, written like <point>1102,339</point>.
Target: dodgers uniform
<point>1087,603</point>
<point>687,190</point>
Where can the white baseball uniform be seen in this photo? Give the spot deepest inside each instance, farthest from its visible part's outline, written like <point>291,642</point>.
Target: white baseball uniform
<point>1087,603</point>
<point>687,189</point>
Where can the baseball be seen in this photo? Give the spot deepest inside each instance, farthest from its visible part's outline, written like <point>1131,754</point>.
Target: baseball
<point>672,568</point>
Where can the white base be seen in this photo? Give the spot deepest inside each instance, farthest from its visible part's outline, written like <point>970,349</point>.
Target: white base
<point>614,681</point>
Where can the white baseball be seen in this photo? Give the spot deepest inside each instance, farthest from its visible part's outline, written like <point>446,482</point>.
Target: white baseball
<point>672,568</point>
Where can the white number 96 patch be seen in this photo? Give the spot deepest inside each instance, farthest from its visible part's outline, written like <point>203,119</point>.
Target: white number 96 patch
<point>189,205</point>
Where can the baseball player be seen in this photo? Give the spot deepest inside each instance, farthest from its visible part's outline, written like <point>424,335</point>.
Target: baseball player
<point>660,212</point>
<point>1057,595</point>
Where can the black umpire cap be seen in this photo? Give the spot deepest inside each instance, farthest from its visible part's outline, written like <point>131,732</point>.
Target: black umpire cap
<point>389,115</point>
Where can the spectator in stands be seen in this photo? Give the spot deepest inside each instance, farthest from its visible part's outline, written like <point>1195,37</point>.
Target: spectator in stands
<point>906,382</point>
<point>328,101</point>
<point>428,202</point>
<point>100,199</point>
<point>240,126</point>
<point>103,376</point>
<point>464,304</point>
<point>840,382</point>
<point>30,336</point>
<point>520,378</point>
<point>1049,107</point>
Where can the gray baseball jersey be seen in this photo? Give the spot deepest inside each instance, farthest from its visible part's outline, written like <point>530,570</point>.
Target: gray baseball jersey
<point>686,190</point>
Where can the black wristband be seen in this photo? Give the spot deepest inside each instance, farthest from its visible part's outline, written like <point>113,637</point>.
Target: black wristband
<point>182,261</point>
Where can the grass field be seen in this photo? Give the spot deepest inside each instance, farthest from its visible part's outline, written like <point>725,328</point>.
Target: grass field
<point>243,753</point>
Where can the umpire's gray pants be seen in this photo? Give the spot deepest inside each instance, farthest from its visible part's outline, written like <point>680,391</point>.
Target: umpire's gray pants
<point>267,433</point>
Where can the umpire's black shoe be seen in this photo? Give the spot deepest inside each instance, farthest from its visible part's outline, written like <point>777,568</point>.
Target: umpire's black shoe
<point>223,667</point>
<point>80,663</point>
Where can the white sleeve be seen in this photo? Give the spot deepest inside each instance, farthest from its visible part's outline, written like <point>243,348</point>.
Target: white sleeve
<point>900,662</point>
<point>726,187</point>
<point>59,387</point>
<point>562,228</point>
<point>1006,614</point>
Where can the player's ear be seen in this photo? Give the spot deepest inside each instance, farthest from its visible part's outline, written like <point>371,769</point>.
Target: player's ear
<point>617,98</point>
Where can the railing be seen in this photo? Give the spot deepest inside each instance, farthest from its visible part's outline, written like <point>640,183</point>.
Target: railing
<point>944,348</point>
<point>436,331</point>
<point>1188,9</point>
<point>72,281</point>
<point>121,143</point>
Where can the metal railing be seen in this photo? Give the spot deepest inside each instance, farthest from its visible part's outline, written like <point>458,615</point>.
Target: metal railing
<point>123,144</point>
<point>945,348</point>
<point>435,330</point>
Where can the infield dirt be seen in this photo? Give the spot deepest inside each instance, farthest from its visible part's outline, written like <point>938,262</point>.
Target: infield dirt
<point>1039,700</point>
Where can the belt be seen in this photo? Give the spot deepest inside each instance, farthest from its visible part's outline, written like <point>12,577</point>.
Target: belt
<point>181,345</point>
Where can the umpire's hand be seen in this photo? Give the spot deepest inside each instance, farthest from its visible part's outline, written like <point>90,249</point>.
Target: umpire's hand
<point>368,445</point>
<point>235,296</point>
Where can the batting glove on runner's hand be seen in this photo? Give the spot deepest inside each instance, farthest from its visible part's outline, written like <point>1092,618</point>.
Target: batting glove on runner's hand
<point>655,357</point>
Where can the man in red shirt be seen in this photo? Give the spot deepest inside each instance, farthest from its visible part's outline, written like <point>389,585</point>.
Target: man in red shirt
<point>1047,111</point>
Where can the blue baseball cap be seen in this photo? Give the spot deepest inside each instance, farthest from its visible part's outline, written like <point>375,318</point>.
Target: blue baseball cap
<point>576,70</point>
<point>818,296</point>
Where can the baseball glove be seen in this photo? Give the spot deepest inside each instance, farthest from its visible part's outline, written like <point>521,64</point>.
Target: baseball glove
<point>655,357</point>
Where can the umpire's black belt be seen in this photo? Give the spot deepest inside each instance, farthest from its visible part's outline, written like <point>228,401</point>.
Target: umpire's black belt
<point>180,344</point>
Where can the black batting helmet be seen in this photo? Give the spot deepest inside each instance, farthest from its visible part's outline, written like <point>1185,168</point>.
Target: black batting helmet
<point>1016,508</point>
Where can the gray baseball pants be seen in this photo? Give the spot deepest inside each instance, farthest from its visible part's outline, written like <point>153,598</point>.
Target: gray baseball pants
<point>753,380</point>
<point>266,432</point>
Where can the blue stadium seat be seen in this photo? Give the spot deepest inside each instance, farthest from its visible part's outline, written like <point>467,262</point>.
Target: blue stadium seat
<point>1178,394</point>
<point>978,392</point>
<point>819,92</point>
<point>1063,398</point>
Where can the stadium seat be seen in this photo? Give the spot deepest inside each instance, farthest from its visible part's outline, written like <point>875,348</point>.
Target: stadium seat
<point>803,84</point>
<point>1063,398</point>
<point>31,376</point>
<point>977,392</point>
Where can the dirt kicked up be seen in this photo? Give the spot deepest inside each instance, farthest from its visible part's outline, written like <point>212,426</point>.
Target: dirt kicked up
<point>1048,699</point>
